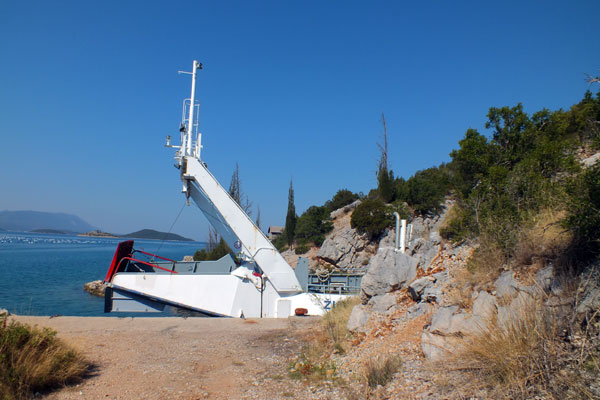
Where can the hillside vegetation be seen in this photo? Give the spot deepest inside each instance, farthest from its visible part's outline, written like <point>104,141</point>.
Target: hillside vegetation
<point>525,196</point>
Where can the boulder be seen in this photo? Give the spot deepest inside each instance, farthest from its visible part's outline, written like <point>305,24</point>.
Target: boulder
<point>344,210</point>
<point>358,319</point>
<point>387,271</point>
<point>382,303</point>
<point>506,285</point>
<point>96,288</point>
<point>418,286</point>
<point>432,294</point>
<point>341,249</point>
<point>418,309</point>
<point>4,312</point>
<point>485,306</point>
<point>436,347</point>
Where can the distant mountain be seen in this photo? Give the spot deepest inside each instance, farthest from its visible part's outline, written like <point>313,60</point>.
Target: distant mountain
<point>26,221</point>
<point>152,234</point>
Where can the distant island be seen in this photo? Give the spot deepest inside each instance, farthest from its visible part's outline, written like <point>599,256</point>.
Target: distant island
<point>98,233</point>
<point>142,234</point>
<point>51,231</point>
<point>152,234</point>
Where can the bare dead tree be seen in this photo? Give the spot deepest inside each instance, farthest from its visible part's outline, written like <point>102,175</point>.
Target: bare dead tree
<point>591,79</point>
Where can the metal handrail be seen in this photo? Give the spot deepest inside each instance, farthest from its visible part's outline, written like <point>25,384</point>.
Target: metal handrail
<point>145,263</point>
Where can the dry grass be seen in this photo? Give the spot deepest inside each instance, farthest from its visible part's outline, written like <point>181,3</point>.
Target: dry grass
<point>381,370</point>
<point>526,357</point>
<point>543,240</point>
<point>35,360</point>
<point>336,319</point>
<point>329,337</point>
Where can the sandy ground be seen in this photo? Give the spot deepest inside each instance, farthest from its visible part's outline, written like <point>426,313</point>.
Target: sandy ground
<point>177,358</point>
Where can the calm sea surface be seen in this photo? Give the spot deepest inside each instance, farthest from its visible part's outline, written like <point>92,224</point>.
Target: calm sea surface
<point>44,274</point>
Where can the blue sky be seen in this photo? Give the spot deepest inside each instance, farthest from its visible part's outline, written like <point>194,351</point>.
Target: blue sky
<point>89,90</point>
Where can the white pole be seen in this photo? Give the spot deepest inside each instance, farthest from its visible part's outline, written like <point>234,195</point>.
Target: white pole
<point>188,149</point>
<point>396,244</point>
<point>403,237</point>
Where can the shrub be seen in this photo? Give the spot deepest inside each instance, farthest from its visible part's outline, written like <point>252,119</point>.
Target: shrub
<point>427,189</point>
<point>301,248</point>
<point>584,210</point>
<point>371,218</point>
<point>526,357</point>
<point>34,359</point>
<point>313,224</point>
<point>342,198</point>
<point>217,253</point>
<point>381,370</point>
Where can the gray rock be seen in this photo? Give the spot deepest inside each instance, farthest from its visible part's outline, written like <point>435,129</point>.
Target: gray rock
<point>506,285</point>
<point>590,161</point>
<point>342,248</point>
<point>590,301</point>
<point>436,347</point>
<point>485,306</point>
<point>415,245</point>
<point>447,321</point>
<point>435,238</point>
<point>344,210</point>
<point>382,303</point>
<point>441,278</point>
<point>96,288</point>
<point>4,312</point>
<point>388,271</point>
<point>543,278</point>
<point>358,319</point>
<point>418,286</point>
<point>441,321</point>
<point>432,294</point>
<point>418,309</point>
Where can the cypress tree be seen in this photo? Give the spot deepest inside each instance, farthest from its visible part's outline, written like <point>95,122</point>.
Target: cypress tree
<point>290,219</point>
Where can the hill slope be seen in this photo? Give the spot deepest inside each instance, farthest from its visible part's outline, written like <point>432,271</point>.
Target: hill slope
<point>30,220</point>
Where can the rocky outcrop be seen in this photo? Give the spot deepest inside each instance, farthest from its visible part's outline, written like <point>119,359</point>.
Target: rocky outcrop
<point>509,302</point>
<point>344,210</point>
<point>96,288</point>
<point>387,271</point>
<point>358,319</point>
<point>344,250</point>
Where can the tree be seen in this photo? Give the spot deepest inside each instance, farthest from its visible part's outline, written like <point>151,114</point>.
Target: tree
<point>385,177</point>
<point>371,218</point>
<point>235,191</point>
<point>342,198</point>
<point>290,219</point>
<point>313,224</point>
<point>258,216</point>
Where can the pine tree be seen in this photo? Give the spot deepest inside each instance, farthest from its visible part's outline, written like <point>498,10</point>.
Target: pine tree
<point>290,219</point>
<point>235,191</point>
<point>258,216</point>
<point>385,177</point>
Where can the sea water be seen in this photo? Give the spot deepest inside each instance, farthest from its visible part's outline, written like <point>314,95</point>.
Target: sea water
<point>43,274</point>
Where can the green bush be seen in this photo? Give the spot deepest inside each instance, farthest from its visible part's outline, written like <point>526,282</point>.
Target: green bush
<point>217,253</point>
<point>427,189</point>
<point>584,210</point>
<point>301,248</point>
<point>371,218</point>
<point>342,198</point>
<point>313,224</point>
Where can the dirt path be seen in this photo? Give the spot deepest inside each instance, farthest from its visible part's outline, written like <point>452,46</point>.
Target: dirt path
<point>177,358</point>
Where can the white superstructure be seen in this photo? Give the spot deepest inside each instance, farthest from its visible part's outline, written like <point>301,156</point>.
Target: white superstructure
<point>261,284</point>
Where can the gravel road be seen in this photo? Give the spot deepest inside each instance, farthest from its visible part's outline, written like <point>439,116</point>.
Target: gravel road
<point>178,358</point>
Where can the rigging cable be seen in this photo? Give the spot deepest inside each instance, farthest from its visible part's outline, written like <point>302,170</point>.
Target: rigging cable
<point>171,228</point>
